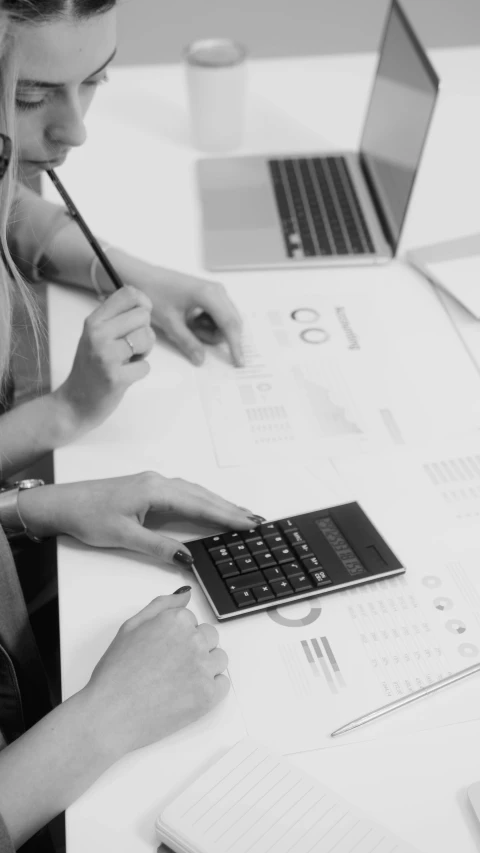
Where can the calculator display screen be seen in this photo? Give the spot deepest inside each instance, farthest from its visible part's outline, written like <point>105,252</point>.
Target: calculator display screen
<point>337,541</point>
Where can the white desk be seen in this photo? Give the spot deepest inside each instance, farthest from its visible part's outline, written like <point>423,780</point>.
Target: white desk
<point>134,184</point>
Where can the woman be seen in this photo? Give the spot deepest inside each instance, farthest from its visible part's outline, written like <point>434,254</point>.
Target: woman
<point>137,693</point>
<point>64,49</point>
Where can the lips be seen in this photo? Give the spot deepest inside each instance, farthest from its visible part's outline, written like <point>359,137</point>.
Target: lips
<point>47,164</point>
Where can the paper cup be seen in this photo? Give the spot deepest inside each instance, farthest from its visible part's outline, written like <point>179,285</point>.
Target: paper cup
<point>216,83</point>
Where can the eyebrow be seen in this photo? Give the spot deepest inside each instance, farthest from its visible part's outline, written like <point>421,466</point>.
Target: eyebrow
<point>43,84</point>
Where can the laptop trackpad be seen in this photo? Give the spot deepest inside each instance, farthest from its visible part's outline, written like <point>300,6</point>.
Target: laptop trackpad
<point>241,227</point>
<point>238,210</point>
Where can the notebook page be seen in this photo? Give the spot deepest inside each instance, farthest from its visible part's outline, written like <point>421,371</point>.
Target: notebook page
<point>250,801</point>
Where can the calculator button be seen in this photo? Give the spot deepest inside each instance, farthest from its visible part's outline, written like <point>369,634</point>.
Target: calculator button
<point>294,537</point>
<point>281,588</point>
<point>244,598</point>
<point>213,542</point>
<point>301,583</point>
<point>274,540</point>
<point>245,581</point>
<point>245,564</point>
<point>287,524</point>
<point>266,529</point>
<point>250,535</point>
<point>238,550</point>
<point>320,578</point>
<point>256,546</point>
<point>227,569</point>
<point>219,554</point>
<point>282,555</point>
<point>291,569</point>
<point>274,574</point>
<point>311,564</point>
<point>263,593</point>
<point>303,550</point>
<point>265,560</point>
<point>231,538</point>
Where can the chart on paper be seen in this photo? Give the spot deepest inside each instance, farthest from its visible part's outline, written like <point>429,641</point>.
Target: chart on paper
<point>318,380</point>
<point>304,670</point>
<point>442,479</point>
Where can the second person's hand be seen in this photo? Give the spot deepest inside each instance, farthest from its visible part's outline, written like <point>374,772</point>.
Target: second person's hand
<point>111,513</point>
<point>161,672</point>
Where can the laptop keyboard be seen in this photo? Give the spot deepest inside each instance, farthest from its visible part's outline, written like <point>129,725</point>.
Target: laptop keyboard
<point>319,208</point>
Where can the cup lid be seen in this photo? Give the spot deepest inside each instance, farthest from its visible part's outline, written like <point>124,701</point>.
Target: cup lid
<point>215,53</point>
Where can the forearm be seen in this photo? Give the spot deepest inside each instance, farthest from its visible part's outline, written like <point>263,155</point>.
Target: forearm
<point>69,261</point>
<point>49,767</point>
<point>33,429</point>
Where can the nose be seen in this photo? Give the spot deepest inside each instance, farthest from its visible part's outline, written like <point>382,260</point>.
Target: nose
<point>66,127</point>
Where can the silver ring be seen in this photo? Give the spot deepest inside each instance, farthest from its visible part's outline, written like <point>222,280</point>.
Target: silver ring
<point>128,341</point>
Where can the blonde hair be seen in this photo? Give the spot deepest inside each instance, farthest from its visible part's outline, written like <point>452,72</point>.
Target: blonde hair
<point>13,289</point>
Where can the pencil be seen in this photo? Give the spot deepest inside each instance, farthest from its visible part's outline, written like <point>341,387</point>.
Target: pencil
<point>76,215</point>
<point>406,700</point>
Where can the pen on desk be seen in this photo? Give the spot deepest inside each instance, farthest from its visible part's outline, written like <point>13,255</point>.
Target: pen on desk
<point>406,700</point>
<point>76,215</point>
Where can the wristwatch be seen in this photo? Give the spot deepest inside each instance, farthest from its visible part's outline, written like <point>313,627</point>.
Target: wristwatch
<point>10,517</point>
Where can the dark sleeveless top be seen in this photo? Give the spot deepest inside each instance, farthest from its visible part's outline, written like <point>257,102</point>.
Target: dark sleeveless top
<point>24,694</point>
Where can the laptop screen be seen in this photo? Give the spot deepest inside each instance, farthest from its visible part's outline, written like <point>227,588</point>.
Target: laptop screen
<point>398,117</point>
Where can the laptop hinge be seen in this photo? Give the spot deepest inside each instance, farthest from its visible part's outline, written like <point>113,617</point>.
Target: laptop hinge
<point>387,233</point>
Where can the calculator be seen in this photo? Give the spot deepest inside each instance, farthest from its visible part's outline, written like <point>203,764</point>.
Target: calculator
<point>283,561</point>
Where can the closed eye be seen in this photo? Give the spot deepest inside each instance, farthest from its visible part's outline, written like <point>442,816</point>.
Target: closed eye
<point>35,98</point>
<point>32,100</point>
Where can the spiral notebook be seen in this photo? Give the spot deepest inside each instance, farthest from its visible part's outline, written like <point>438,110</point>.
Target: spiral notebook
<point>251,801</point>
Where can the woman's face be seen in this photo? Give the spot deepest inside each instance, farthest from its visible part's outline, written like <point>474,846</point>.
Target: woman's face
<point>60,66</point>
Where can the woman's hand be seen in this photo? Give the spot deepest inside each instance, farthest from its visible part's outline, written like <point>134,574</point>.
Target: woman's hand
<point>189,311</point>
<point>161,672</point>
<point>192,312</point>
<point>116,338</point>
<point>111,513</point>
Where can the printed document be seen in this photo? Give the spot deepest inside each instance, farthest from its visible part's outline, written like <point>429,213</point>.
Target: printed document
<point>303,670</point>
<point>332,373</point>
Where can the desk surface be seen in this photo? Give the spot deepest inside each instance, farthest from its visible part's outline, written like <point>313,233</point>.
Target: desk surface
<point>294,105</point>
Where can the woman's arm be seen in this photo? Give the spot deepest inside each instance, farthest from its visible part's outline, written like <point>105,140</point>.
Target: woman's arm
<point>45,243</point>
<point>101,373</point>
<point>111,513</point>
<point>33,429</point>
<point>49,767</point>
<point>161,672</point>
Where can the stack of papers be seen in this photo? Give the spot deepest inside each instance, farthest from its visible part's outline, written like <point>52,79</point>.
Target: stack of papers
<point>455,267</point>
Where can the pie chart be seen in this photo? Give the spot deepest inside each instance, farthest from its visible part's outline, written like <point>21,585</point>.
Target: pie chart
<point>305,315</point>
<point>299,619</point>
<point>443,603</point>
<point>468,650</point>
<point>455,626</point>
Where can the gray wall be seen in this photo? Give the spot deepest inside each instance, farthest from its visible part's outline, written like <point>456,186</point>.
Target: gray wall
<point>155,30</point>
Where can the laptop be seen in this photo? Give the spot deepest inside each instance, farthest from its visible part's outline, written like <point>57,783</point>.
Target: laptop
<point>328,209</point>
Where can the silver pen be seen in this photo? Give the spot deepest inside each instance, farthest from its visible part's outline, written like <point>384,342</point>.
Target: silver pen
<point>406,700</point>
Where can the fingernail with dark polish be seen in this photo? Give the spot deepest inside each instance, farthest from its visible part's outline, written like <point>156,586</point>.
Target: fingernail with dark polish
<point>257,518</point>
<point>181,590</point>
<point>183,558</point>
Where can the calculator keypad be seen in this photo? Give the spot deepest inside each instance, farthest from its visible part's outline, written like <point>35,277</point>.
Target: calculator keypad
<point>267,563</point>
<point>291,559</point>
